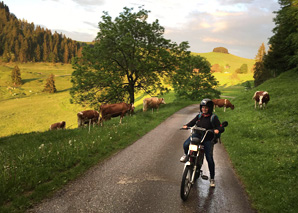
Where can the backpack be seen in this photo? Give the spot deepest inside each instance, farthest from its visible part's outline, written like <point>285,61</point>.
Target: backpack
<point>217,136</point>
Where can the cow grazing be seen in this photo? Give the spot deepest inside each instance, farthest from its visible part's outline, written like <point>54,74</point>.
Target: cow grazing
<point>261,97</point>
<point>222,103</point>
<point>59,125</point>
<point>87,116</point>
<point>152,103</point>
<point>107,111</point>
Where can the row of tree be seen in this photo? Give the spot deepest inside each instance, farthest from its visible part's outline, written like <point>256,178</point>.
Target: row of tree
<point>243,69</point>
<point>283,45</point>
<point>22,41</point>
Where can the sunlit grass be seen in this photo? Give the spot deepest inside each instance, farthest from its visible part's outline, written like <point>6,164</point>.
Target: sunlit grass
<point>263,145</point>
<point>35,164</point>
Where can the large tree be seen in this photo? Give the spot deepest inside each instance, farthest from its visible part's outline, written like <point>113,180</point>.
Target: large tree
<point>283,54</point>
<point>194,80</point>
<point>129,55</point>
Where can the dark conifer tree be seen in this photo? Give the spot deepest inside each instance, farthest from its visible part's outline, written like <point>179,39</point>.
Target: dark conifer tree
<point>16,76</point>
<point>50,85</point>
<point>261,73</point>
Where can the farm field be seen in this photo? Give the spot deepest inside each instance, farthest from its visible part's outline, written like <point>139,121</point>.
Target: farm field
<point>27,109</point>
<point>259,146</point>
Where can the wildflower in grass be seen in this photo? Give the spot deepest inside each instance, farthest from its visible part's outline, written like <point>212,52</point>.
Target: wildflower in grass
<point>69,142</point>
<point>41,146</point>
<point>57,152</point>
<point>110,138</point>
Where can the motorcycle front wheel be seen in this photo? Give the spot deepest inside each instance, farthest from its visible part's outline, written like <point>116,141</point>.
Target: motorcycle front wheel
<point>186,183</point>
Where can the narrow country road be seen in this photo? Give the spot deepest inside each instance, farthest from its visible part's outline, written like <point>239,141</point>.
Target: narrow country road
<point>146,176</point>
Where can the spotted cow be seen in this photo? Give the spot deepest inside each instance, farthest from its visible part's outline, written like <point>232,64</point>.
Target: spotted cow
<point>262,98</point>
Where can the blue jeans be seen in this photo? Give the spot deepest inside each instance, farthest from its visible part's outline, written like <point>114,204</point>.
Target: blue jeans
<point>208,147</point>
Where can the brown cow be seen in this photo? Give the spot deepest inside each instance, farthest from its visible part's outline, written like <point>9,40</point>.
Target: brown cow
<point>222,103</point>
<point>87,116</point>
<point>262,97</point>
<point>59,125</point>
<point>107,111</point>
<point>153,103</point>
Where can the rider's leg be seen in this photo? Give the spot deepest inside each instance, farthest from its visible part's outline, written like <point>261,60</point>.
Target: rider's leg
<point>208,147</point>
<point>186,145</point>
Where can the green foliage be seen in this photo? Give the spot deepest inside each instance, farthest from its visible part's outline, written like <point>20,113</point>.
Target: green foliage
<point>16,76</point>
<point>130,55</point>
<point>50,85</point>
<point>283,53</point>
<point>263,145</point>
<point>242,70</point>
<point>23,42</point>
<point>194,80</point>
<point>50,159</point>
<point>261,73</point>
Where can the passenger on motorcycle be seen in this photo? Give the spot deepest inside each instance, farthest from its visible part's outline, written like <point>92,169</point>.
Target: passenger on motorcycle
<point>204,121</point>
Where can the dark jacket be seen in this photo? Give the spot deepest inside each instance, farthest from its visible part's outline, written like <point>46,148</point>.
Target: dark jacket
<point>205,122</point>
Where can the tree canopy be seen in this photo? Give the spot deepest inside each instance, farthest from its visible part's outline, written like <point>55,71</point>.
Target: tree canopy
<point>194,80</point>
<point>22,41</point>
<point>129,55</point>
<point>283,53</point>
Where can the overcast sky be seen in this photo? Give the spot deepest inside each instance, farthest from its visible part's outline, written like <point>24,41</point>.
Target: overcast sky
<point>241,26</point>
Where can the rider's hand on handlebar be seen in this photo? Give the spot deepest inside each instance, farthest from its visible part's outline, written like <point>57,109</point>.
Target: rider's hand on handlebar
<point>216,131</point>
<point>184,127</point>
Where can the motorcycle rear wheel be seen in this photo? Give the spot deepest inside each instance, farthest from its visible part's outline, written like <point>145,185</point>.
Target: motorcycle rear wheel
<point>186,183</point>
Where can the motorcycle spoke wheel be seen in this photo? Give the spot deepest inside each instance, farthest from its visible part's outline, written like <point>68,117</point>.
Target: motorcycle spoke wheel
<point>186,183</point>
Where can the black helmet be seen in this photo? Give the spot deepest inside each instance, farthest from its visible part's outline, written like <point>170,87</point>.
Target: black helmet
<point>207,102</point>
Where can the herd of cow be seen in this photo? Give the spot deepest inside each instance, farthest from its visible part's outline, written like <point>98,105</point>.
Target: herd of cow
<point>107,111</point>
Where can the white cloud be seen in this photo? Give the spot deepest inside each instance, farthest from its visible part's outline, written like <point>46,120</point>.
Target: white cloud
<point>239,25</point>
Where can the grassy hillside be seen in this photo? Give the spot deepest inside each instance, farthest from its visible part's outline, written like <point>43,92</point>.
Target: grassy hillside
<point>38,163</point>
<point>263,144</point>
<point>26,108</point>
<point>229,77</point>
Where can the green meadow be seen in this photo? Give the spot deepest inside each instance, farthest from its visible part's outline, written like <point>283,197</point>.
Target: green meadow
<point>262,144</point>
<point>27,109</point>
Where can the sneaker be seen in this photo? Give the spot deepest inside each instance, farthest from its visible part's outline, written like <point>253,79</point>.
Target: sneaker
<point>212,183</point>
<point>183,159</point>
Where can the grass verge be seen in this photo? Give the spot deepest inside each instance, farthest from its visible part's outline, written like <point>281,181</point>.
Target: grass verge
<point>38,163</point>
<point>263,144</point>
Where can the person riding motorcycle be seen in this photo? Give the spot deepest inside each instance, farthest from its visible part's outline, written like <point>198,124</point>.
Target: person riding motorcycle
<point>204,121</point>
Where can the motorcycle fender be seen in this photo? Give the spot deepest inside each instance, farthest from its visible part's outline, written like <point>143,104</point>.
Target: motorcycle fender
<point>187,163</point>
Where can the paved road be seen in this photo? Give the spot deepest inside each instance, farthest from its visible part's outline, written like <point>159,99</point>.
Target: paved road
<point>146,176</point>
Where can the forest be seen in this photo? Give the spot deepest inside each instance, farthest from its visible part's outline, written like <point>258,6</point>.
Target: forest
<point>23,42</point>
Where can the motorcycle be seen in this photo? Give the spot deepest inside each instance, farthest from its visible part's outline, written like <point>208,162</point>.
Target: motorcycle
<point>192,167</point>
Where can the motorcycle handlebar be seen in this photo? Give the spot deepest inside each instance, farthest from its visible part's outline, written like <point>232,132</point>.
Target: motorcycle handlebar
<point>197,128</point>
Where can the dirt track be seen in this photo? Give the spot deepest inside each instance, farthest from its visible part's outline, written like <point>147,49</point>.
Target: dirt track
<point>146,176</point>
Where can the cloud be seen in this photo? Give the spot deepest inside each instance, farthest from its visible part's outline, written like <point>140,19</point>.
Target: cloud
<point>86,3</point>
<point>241,33</point>
<point>78,36</point>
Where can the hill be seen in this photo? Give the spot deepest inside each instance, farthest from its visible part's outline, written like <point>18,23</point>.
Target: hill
<point>263,145</point>
<point>22,41</point>
<point>229,64</point>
